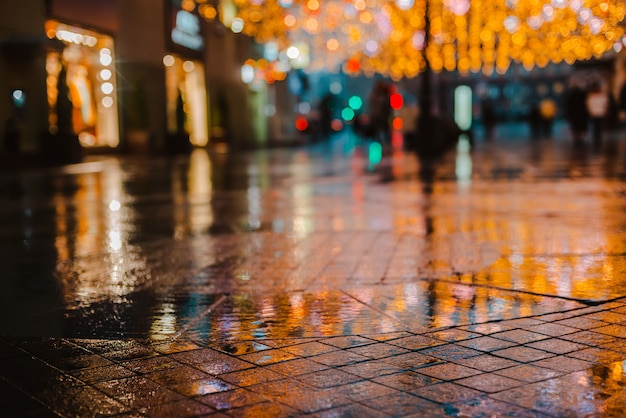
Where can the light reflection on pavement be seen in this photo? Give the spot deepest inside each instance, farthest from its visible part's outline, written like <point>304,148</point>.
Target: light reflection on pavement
<point>310,242</point>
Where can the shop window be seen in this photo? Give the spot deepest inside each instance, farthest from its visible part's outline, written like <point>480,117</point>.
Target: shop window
<point>87,62</point>
<point>186,99</point>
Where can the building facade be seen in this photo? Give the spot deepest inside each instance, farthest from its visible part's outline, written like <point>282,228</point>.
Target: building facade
<point>122,75</point>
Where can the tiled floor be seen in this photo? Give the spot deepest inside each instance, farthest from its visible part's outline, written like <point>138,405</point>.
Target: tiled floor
<point>524,368</point>
<point>315,282</point>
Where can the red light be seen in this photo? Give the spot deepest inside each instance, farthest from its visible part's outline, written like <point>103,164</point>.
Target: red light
<point>397,123</point>
<point>396,101</point>
<point>336,125</point>
<point>353,65</point>
<point>302,123</point>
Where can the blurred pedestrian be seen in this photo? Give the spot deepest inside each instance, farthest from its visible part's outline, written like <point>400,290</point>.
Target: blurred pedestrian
<point>534,121</point>
<point>489,119</point>
<point>547,111</point>
<point>380,112</point>
<point>576,111</point>
<point>326,115</point>
<point>598,106</point>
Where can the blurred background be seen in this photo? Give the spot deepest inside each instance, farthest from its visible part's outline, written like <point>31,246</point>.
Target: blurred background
<point>165,76</point>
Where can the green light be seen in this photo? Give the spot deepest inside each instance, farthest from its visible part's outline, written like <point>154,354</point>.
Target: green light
<point>375,153</point>
<point>347,114</point>
<point>463,107</point>
<point>355,102</point>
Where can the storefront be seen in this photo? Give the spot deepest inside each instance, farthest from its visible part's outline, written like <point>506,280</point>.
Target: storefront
<point>186,94</point>
<point>84,69</point>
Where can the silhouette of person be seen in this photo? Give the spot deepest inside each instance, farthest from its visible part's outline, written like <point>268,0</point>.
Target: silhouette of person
<point>380,112</point>
<point>576,110</point>
<point>597,105</point>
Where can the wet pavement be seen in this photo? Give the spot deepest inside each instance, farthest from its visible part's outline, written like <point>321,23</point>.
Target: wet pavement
<point>320,280</point>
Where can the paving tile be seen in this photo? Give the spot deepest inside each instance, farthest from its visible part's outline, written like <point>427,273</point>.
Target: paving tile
<point>608,316</point>
<point>416,342</point>
<point>564,364</point>
<point>201,355</point>
<point>231,399</point>
<point>584,393</point>
<point>551,329</point>
<point>528,373</point>
<point>265,409</point>
<point>276,390</point>
<point>486,363</point>
<point>487,407</point>
<point>405,381</point>
<point>448,371</point>
<point>520,336</point>
<point>338,358</point>
<point>296,367</point>
<point>401,404</point>
<point>310,402</point>
<point>226,364</point>
<point>328,378</point>
<point>300,396</point>
<point>185,408</point>
<point>364,390</point>
<point>620,310</point>
<point>104,347</point>
<point>486,343</point>
<point>101,374</point>
<point>617,344</point>
<point>88,361</point>
<point>371,369</point>
<point>347,341</point>
<point>378,350</point>
<point>521,322</point>
<point>287,342</point>
<point>84,401</point>
<point>200,387</point>
<point>554,317</point>
<point>614,330</point>
<point>447,393</point>
<point>353,410</point>
<point>237,348</point>
<point>182,374</point>
<point>51,349</point>
<point>452,335</point>
<point>557,346</point>
<point>309,349</point>
<point>522,354</point>
<point>581,322</point>
<point>451,352</point>
<point>389,336</point>
<point>249,377</point>
<point>589,338</point>
<point>171,347</point>
<point>411,361</point>
<point>487,328</point>
<point>129,354</point>
<point>489,382</point>
<point>265,357</point>
<point>138,392</point>
<point>598,355</point>
<point>152,364</point>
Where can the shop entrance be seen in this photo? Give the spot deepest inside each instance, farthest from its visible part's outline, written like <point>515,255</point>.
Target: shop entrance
<point>87,64</point>
<point>186,99</point>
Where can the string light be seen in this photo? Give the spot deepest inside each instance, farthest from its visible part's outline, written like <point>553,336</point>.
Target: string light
<point>388,36</point>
